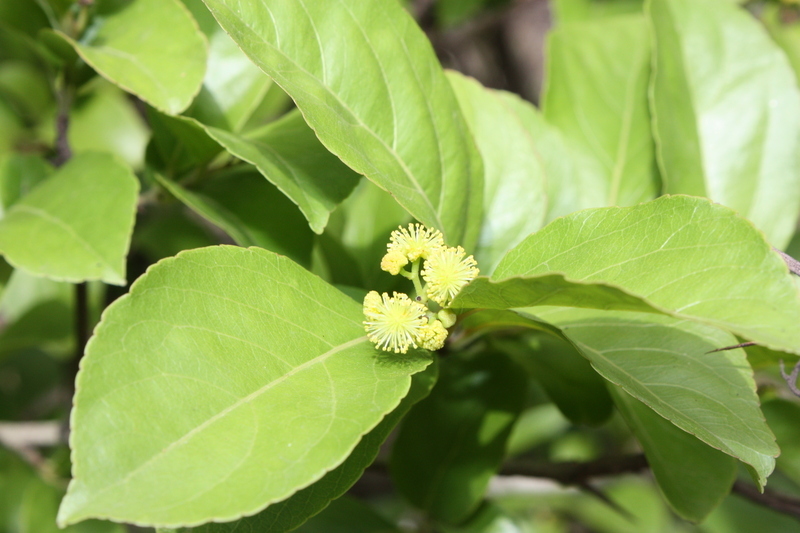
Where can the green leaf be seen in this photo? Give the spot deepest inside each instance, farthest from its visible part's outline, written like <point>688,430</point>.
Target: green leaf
<point>19,173</point>
<point>567,377</point>
<point>566,182</point>
<point>489,518</point>
<point>250,209</point>
<point>694,477</point>
<point>575,10</point>
<point>664,362</point>
<point>363,223</point>
<point>683,256</point>
<point>367,81</point>
<point>75,226</point>
<point>786,33</point>
<point>288,514</point>
<point>596,94</point>
<point>289,155</point>
<point>726,112</point>
<point>151,48</point>
<point>231,353</point>
<point>452,443</point>
<point>515,198</point>
<point>106,121</point>
<point>233,86</point>
<point>29,503</point>
<point>347,515</point>
<point>782,417</point>
<point>178,144</point>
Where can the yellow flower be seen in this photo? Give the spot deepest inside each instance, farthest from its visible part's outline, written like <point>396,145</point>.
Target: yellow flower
<point>393,324</point>
<point>393,262</point>
<point>415,242</point>
<point>446,272</point>
<point>433,336</point>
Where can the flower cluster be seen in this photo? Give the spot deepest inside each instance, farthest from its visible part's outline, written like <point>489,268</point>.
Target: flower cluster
<point>396,323</point>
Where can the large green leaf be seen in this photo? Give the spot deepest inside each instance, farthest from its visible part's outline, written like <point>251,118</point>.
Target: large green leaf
<point>596,94</point>
<point>289,155</point>
<point>681,255</point>
<point>233,86</point>
<point>515,198</point>
<point>151,48</point>
<point>694,477</point>
<point>726,112</point>
<point>664,362</point>
<point>568,185</point>
<point>75,226</point>
<point>452,443</point>
<point>367,81</point>
<point>250,209</point>
<point>228,379</point>
<point>288,514</point>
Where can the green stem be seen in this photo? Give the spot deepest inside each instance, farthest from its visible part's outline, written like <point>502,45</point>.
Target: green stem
<point>418,288</point>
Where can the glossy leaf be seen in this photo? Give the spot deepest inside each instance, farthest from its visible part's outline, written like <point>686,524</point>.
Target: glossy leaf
<point>680,255</point>
<point>664,362</point>
<point>151,48</point>
<point>374,93</point>
<point>75,226</point>
<point>452,443</point>
<point>289,155</point>
<point>726,112</point>
<point>211,355</point>
<point>233,86</point>
<point>694,477</point>
<point>596,95</point>
<point>288,514</point>
<point>515,198</point>
<point>251,210</point>
<point>567,183</point>
<point>567,377</point>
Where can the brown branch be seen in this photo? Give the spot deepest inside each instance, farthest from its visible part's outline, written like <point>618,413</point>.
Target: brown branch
<point>772,500</point>
<point>62,147</point>
<point>791,262</point>
<point>791,379</point>
<point>577,473</point>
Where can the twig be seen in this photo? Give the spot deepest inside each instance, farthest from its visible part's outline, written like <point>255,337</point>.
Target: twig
<point>791,379</point>
<point>777,502</point>
<point>791,262</point>
<point>62,147</point>
<point>576,473</point>
<point>23,438</point>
